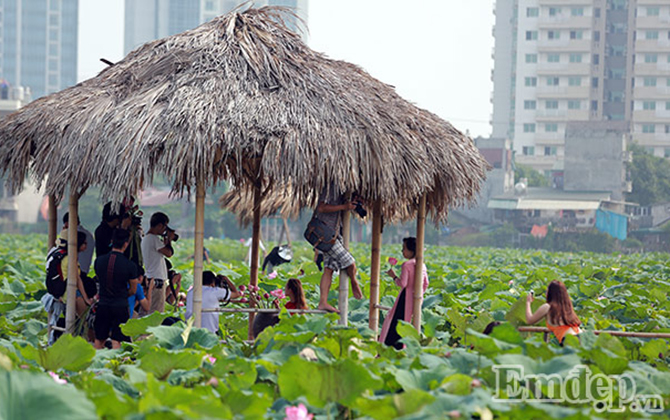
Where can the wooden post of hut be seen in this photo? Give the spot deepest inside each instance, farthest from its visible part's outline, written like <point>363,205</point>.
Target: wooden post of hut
<point>255,240</point>
<point>53,221</point>
<point>199,249</point>
<point>287,232</point>
<point>375,265</point>
<point>72,266</point>
<point>343,300</point>
<point>418,270</point>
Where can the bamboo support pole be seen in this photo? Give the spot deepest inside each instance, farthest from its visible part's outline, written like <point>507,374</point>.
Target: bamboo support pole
<point>598,332</point>
<point>418,268</point>
<point>343,298</point>
<point>52,221</point>
<point>255,240</point>
<point>375,265</point>
<point>288,233</point>
<point>72,266</point>
<point>199,249</point>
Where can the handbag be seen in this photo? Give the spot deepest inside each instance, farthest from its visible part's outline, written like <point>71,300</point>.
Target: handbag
<point>320,235</point>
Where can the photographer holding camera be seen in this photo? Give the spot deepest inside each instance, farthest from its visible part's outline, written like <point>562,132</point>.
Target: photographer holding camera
<point>156,246</point>
<point>329,211</point>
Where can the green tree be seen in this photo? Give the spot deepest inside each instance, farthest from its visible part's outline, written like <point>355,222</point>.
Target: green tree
<point>535,178</point>
<point>650,176</point>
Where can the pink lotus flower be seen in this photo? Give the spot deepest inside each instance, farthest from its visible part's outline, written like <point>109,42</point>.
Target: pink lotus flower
<point>57,378</point>
<point>209,358</point>
<point>256,288</point>
<point>298,413</point>
<point>511,282</point>
<point>180,305</point>
<point>242,241</point>
<point>278,293</point>
<point>242,288</point>
<point>272,275</point>
<point>266,295</point>
<point>243,300</point>
<point>393,261</point>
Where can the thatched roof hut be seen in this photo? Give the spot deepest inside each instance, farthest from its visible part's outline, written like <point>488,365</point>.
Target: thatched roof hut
<point>241,98</point>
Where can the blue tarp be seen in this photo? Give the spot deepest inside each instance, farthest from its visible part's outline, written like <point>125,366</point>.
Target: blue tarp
<point>615,224</point>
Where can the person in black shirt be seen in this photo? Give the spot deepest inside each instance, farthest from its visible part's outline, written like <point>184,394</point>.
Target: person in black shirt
<point>117,279</point>
<point>104,231</point>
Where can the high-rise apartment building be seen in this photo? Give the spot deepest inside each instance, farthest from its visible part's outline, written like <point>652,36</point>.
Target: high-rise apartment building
<point>146,20</point>
<point>559,61</point>
<point>39,44</point>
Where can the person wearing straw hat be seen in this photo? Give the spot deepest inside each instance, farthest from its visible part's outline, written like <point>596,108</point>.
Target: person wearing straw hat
<point>329,211</point>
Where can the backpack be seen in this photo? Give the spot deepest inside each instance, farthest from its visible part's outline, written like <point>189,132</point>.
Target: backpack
<point>55,280</point>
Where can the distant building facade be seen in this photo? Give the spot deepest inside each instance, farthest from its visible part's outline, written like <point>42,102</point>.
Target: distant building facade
<point>147,20</point>
<point>39,44</point>
<point>580,60</point>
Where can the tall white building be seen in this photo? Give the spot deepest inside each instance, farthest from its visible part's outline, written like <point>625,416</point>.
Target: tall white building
<point>558,61</point>
<point>147,20</point>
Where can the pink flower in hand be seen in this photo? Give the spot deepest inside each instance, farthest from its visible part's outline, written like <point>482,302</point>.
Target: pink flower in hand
<point>278,293</point>
<point>272,275</point>
<point>57,378</point>
<point>298,413</point>
<point>393,261</point>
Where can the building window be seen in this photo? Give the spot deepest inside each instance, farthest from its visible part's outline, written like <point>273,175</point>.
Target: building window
<point>529,104</point>
<point>574,81</point>
<point>594,105</point>
<point>553,58</point>
<point>553,11</point>
<point>576,34</point>
<point>554,34</point>
<point>551,128</point>
<point>552,81</point>
<point>666,151</point>
<point>594,82</point>
<point>596,36</point>
<point>667,105</point>
<point>529,128</point>
<point>551,104</point>
<point>653,10</point>
<point>577,11</point>
<point>596,12</point>
<point>528,150</point>
<point>650,81</point>
<point>531,35</point>
<point>209,5</point>
<point>532,12</point>
<point>648,128</point>
<point>651,58</point>
<point>531,58</point>
<point>550,150</point>
<point>649,105</point>
<point>530,81</point>
<point>667,130</point>
<point>574,104</point>
<point>575,58</point>
<point>651,35</point>
<point>596,59</point>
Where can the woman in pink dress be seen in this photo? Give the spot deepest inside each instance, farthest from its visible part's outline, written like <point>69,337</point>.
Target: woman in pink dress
<point>403,308</point>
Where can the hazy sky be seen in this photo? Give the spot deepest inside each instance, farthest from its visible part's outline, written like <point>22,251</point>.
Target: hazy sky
<point>437,53</point>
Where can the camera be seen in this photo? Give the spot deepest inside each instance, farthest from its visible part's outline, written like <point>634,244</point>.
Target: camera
<point>360,210</point>
<point>175,236</point>
<point>159,283</point>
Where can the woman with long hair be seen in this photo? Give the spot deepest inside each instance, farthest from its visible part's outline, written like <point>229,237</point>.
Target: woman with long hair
<point>560,316</point>
<point>403,308</point>
<point>295,294</point>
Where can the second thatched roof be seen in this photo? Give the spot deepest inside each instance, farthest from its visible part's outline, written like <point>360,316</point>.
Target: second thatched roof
<point>241,98</point>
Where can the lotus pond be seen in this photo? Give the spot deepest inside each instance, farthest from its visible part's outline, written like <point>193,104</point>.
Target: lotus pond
<point>450,370</point>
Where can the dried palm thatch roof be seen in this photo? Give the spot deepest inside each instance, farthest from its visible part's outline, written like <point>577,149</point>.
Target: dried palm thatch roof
<point>241,98</point>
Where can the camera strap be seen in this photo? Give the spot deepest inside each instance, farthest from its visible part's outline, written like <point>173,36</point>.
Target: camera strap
<point>110,273</point>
